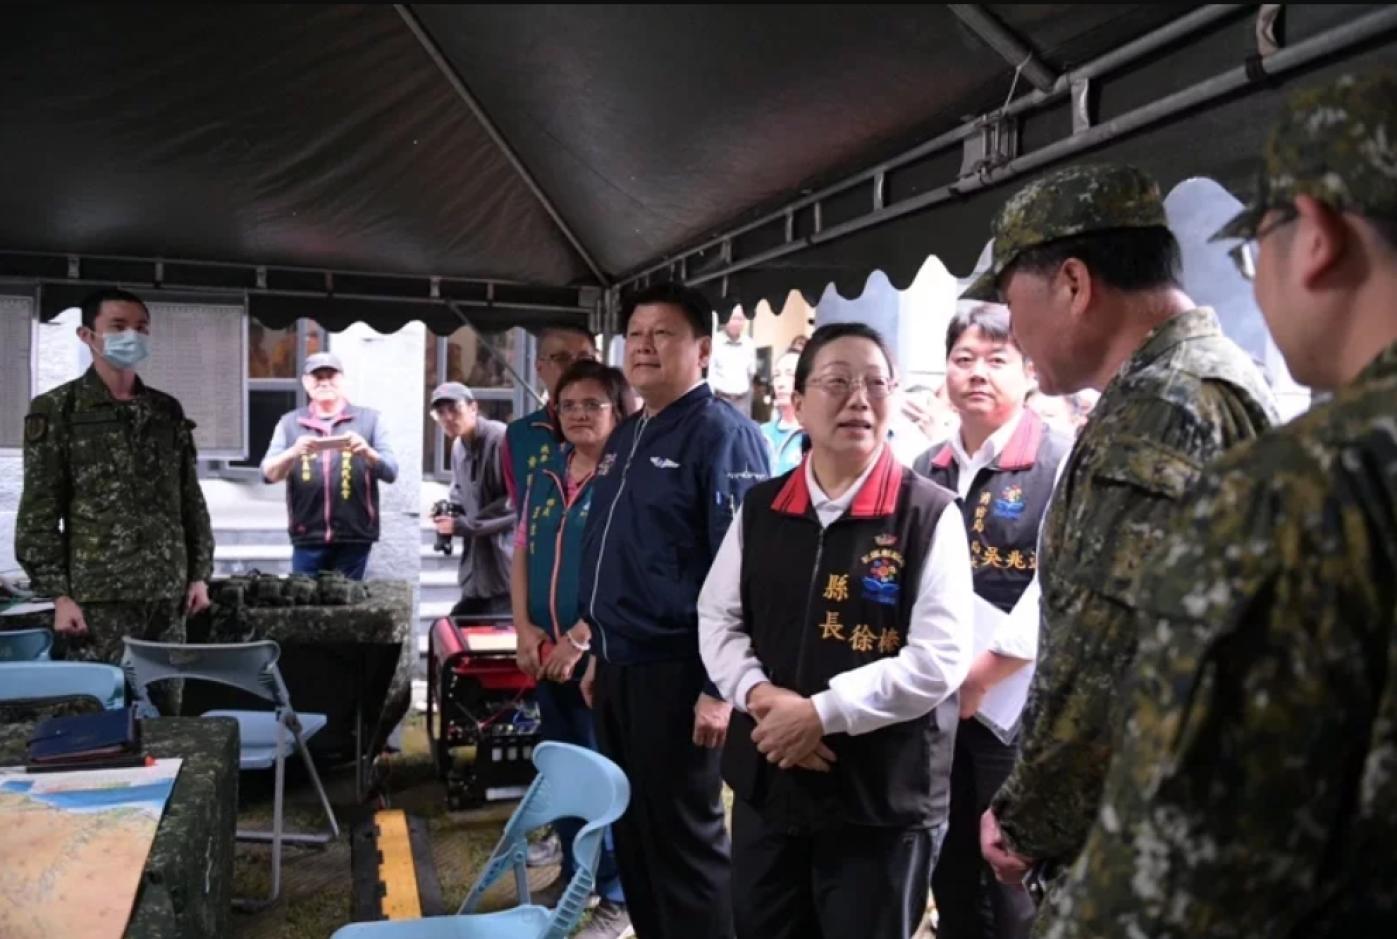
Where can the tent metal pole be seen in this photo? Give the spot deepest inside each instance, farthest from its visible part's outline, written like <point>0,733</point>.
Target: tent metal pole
<point>495,353</point>
<point>1010,48</point>
<point>1121,56</point>
<point>459,86</point>
<point>1283,61</point>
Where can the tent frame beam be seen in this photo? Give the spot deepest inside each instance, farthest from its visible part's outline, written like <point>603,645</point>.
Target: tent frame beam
<point>221,278</point>
<point>458,84</point>
<point>1077,139</point>
<point>700,263</point>
<point>1011,48</point>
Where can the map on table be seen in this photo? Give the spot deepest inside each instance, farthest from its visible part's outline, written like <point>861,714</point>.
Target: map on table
<point>73,846</point>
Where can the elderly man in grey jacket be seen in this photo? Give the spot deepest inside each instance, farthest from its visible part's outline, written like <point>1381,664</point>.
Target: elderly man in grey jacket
<point>485,521</point>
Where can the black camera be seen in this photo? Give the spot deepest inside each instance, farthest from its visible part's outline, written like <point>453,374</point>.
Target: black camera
<point>444,509</point>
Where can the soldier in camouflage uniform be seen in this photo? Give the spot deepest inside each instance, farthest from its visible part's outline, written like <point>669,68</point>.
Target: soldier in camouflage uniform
<point>112,523</point>
<point>1255,788</point>
<point>1090,273</point>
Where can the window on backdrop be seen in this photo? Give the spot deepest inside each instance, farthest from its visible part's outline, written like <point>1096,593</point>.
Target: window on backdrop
<point>274,360</point>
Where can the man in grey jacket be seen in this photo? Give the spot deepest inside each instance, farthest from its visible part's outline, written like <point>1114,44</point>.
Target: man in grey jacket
<point>485,521</point>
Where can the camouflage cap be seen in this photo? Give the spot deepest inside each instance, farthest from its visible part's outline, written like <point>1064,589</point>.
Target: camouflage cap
<point>1336,142</point>
<point>1066,202</point>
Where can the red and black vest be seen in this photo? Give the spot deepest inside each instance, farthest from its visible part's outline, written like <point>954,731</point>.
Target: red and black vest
<point>820,601</point>
<point>1004,506</point>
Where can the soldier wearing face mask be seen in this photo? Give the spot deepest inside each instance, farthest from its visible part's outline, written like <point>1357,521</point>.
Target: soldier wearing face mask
<point>112,524</point>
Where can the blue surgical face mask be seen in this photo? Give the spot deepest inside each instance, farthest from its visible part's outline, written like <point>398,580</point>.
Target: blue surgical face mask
<point>125,349</point>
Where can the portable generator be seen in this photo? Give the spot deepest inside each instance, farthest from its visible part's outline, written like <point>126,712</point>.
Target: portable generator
<point>482,716</point>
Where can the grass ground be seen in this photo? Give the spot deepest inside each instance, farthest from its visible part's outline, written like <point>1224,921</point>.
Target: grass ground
<point>316,883</point>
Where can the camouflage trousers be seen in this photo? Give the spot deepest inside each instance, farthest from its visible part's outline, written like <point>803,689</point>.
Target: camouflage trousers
<point>108,623</point>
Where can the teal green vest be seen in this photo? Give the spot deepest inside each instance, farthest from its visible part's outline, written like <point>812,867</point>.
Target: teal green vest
<point>533,442</point>
<point>555,545</point>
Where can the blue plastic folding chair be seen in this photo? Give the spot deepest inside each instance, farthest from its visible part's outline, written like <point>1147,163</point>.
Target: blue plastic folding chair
<point>572,782</point>
<point>25,645</point>
<point>266,737</point>
<point>50,681</point>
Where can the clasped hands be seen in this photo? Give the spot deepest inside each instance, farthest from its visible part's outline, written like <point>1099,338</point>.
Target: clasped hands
<point>788,733</point>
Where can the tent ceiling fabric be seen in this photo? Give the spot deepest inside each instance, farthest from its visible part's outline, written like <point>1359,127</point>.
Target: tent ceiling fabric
<point>315,136</point>
<point>326,137</point>
<point>652,125</point>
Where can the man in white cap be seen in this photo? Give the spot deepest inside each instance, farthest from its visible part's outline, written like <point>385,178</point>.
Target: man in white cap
<point>332,455</point>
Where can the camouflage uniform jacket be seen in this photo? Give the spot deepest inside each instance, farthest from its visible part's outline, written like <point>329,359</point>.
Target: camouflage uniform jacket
<point>1256,782</point>
<point>1183,398</point>
<point>111,509</point>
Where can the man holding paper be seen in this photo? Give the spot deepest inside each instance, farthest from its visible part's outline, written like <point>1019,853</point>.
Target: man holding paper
<point>1002,462</point>
<point>332,456</point>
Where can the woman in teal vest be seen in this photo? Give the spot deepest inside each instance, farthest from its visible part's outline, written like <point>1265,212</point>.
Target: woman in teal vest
<point>553,642</point>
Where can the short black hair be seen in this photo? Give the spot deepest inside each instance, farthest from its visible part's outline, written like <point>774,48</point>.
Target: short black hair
<point>613,381</point>
<point>577,328</point>
<point>92,303</point>
<point>829,333</point>
<point>990,318</point>
<point>694,305</point>
<point>1128,259</point>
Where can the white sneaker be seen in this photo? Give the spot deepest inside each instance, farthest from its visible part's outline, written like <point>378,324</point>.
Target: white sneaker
<point>609,921</point>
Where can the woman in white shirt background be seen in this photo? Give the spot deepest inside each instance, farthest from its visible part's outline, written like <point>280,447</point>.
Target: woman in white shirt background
<point>837,619</point>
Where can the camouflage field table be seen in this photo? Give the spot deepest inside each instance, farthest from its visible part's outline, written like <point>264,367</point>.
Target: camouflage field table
<point>187,888</point>
<point>352,663</point>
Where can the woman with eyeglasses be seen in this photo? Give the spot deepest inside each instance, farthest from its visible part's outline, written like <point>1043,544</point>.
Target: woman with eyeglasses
<point>837,620</point>
<point>553,642</point>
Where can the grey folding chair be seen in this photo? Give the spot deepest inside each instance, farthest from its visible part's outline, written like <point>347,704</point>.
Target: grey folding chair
<point>263,735</point>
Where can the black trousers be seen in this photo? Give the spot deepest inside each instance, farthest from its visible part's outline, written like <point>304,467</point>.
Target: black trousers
<point>843,882</point>
<point>671,844</point>
<point>970,902</point>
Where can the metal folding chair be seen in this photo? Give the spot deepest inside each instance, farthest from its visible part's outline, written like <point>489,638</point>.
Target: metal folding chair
<point>572,782</point>
<point>263,735</point>
<point>25,645</point>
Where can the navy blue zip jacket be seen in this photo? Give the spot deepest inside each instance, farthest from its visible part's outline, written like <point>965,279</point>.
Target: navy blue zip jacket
<point>666,490</point>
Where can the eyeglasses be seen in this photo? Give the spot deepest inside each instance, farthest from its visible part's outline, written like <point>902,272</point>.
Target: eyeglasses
<point>589,406</point>
<point>837,386</point>
<point>1244,255</point>
<point>567,358</point>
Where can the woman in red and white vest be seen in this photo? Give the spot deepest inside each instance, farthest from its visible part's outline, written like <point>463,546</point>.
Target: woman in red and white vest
<point>837,620</point>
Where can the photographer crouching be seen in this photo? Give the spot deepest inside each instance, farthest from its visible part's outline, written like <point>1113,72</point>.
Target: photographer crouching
<point>477,507</point>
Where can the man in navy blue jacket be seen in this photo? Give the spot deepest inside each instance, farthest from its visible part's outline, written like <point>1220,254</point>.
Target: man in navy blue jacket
<point>667,488</point>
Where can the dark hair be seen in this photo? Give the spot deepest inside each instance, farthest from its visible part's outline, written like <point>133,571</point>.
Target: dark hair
<point>829,333</point>
<point>613,382</point>
<point>92,303</point>
<point>577,328</point>
<point>1124,258</point>
<point>693,304</point>
<point>990,318</point>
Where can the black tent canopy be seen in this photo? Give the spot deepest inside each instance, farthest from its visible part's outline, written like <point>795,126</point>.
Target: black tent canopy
<point>521,164</point>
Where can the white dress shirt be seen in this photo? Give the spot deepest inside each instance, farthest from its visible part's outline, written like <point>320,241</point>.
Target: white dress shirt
<point>970,465</point>
<point>733,364</point>
<point>929,668</point>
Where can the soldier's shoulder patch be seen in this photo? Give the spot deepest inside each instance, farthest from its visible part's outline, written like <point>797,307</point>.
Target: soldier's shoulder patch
<point>36,427</point>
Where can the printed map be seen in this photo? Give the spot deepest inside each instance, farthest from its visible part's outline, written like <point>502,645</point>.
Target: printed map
<point>73,846</point>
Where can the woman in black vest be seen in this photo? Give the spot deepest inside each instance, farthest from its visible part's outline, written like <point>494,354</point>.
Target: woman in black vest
<point>837,620</point>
